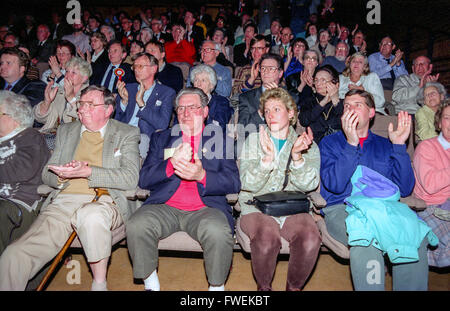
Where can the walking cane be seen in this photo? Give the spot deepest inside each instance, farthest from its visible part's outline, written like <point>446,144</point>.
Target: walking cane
<point>98,193</point>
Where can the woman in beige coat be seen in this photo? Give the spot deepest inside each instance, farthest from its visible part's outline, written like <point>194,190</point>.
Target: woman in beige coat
<point>262,170</point>
<point>59,104</point>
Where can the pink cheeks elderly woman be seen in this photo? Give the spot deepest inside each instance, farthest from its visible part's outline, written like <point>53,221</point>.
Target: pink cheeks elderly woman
<point>59,104</point>
<point>262,170</point>
<point>432,170</point>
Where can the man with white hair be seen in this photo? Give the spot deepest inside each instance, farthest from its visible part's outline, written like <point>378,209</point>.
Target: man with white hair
<point>338,60</point>
<point>406,87</point>
<point>209,52</point>
<point>94,152</point>
<point>188,183</point>
<point>19,175</point>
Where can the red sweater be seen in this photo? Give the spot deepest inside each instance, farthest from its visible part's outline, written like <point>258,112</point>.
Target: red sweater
<point>187,197</point>
<point>182,52</point>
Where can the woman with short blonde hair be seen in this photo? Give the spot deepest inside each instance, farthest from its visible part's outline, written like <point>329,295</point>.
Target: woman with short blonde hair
<point>267,156</point>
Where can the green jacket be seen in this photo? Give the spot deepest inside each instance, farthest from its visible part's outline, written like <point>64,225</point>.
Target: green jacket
<point>257,178</point>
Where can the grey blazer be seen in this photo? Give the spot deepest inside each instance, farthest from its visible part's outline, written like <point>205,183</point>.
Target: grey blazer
<point>121,163</point>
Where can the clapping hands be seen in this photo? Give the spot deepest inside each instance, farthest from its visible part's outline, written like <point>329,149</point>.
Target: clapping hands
<point>400,135</point>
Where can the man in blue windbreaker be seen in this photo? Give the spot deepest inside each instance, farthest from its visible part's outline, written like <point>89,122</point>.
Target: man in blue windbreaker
<point>340,154</point>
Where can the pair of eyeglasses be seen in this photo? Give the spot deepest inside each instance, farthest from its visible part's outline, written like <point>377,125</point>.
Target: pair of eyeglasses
<point>310,58</point>
<point>4,114</point>
<point>300,46</point>
<point>257,48</point>
<point>269,69</point>
<point>318,81</point>
<point>139,66</point>
<point>207,50</point>
<point>191,108</point>
<point>89,105</point>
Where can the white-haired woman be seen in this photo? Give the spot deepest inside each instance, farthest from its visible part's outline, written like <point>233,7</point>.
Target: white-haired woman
<point>145,35</point>
<point>357,75</point>
<point>23,155</point>
<point>204,77</point>
<point>59,104</point>
<point>431,96</point>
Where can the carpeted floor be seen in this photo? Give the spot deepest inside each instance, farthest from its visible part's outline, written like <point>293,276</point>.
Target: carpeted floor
<point>185,272</point>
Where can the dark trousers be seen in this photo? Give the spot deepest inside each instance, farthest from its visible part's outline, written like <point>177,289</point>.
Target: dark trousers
<point>265,234</point>
<point>367,263</point>
<point>14,221</point>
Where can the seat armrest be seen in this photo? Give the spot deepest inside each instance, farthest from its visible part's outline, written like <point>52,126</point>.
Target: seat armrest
<point>232,198</point>
<point>414,203</point>
<point>44,190</point>
<point>142,194</point>
<point>317,200</point>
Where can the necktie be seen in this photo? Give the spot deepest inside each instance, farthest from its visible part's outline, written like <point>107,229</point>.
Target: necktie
<point>193,149</point>
<point>285,50</point>
<point>9,87</point>
<point>108,78</point>
<point>392,70</point>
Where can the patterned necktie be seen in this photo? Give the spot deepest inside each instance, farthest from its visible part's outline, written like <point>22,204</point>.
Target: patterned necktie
<point>9,87</point>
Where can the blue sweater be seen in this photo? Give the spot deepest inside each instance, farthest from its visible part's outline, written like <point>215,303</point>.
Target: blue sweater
<point>340,159</point>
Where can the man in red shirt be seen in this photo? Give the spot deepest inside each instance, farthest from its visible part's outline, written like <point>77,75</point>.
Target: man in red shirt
<point>180,49</point>
<point>188,175</point>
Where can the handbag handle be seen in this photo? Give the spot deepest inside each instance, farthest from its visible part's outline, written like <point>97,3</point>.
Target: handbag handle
<point>286,172</point>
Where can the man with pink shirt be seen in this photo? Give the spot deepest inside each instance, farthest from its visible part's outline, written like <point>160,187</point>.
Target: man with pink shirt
<point>188,175</point>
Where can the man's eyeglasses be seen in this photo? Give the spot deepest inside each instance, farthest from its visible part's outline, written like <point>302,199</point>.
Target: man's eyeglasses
<point>386,43</point>
<point>269,69</point>
<point>300,46</point>
<point>207,50</point>
<point>139,66</point>
<point>257,48</point>
<point>89,105</point>
<point>191,108</point>
<point>4,114</point>
<point>311,58</point>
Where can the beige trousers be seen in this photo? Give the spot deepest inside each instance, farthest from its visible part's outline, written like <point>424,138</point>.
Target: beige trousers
<point>93,222</point>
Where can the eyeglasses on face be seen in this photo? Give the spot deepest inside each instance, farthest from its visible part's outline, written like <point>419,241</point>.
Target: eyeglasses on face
<point>319,81</point>
<point>259,48</point>
<point>207,50</point>
<point>311,58</point>
<point>268,69</point>
<point>139,66</point>
<point>190,108</point>
<point>87,104</point>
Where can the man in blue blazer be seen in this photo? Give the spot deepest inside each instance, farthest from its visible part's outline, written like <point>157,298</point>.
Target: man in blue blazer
<point>188,174</point>
<point>147,104</point>
<point>104,74</point>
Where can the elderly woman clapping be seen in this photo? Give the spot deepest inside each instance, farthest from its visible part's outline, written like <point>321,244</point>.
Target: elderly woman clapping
<point>431,96</point>
<point>204,77</point>
<point>59,104</point>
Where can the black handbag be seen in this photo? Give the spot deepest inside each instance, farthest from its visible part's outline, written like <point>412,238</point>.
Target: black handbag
<point>282,203</point>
